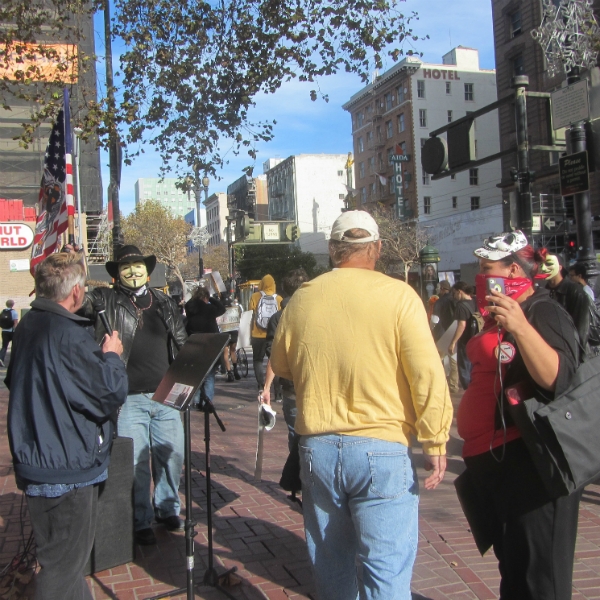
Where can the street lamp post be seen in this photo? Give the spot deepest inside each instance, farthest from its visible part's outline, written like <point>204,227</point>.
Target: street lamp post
<point>205,183</point>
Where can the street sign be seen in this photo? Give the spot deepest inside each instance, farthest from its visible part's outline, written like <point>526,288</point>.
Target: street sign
<point>548,222</point>
<point>574,175</point>
<point>570,105</point>
<point>536,223</point>
<point>400,158</point>
<point>271,232</point>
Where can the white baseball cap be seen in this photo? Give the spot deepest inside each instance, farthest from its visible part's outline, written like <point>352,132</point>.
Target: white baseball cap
<point>500,246</point>
<point>355,219</point>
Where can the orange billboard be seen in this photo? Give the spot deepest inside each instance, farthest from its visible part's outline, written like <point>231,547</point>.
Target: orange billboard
<point>39,62</point>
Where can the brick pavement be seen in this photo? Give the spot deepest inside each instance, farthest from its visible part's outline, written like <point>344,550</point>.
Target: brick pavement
<point>260,531</point>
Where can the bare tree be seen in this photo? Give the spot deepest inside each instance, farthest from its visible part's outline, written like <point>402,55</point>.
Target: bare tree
<point>401,240</point>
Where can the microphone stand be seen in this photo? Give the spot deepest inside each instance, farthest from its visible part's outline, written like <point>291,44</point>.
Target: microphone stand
<point>211,578</point>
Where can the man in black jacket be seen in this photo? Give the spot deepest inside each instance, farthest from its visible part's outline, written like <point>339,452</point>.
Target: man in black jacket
<point>64,388</point>
<point>150,326</point>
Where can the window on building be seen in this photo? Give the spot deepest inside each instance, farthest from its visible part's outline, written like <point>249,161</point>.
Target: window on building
<point>360,118</point>
<point>340,173</point>
<point>427,205</point>
<point>388,101</point>
<point>448,88</point>
<point>361,170</point>
<point>372,164</point>
<point>401,125</point>
<point>474,202</point>
<point>360,145</point>
<point>380,164</point>
<point>389,130</point>
<point>473,176</point>
<point>401,95</point>
<point>423,117</point>
<point>369,139</point>
<point>449,116</point>
<point>454,201</point>
<point>390,152</point>
<point>426,178</point>
<point>403,146</point>
<point>378,134</point>
<point>373,189</point>
<point>363,195</point>
<point>518,65</point>
<point>515,24</point>
<point>341,196</point>
<point>420,89</point>
<point>469,93</point>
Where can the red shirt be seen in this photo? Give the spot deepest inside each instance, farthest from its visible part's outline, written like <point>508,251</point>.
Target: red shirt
<point>476,416</point>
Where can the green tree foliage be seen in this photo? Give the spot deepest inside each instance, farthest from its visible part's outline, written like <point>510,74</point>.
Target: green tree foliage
<point>191,70</point>
<point>154,230</point>
<point>254,262</point>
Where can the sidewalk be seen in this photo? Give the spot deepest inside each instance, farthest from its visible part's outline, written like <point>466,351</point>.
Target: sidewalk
<point>260,531</point>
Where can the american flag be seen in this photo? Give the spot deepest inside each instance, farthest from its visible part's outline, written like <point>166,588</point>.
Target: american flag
<point>55,202</point>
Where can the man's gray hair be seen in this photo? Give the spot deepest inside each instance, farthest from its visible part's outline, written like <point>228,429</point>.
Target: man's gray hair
<point>56,276</point>
<point>341,252</point>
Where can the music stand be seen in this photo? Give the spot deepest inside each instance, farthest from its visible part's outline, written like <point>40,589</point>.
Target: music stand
<point>184,377</point>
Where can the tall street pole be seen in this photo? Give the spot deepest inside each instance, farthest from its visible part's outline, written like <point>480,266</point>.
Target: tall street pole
<point>113,138</point>
<point>520,83</point>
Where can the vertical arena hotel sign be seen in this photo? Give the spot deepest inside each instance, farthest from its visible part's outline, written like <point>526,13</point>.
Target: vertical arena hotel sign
<point>15,236</point>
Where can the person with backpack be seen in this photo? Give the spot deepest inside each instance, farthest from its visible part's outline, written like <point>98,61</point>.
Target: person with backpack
<point>8,321</point>
<point>466,327</point>
<point>263,304</point>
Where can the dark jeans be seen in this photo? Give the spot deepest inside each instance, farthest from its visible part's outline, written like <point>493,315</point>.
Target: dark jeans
<point>464,365</point>
<point>535,536</point>
<point>64,530</point>
<point>7,337</point>
<point>259,349</point>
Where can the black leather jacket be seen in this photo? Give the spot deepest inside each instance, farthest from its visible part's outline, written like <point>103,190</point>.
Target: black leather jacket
<point>122,317</point>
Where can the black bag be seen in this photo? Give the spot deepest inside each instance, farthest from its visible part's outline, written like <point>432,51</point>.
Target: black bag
<point>6,320</point>
<point>594,329</point>
<point>563,436</point>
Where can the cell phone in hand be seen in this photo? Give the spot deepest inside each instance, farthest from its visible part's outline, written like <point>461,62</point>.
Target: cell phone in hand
<point>496,284</point>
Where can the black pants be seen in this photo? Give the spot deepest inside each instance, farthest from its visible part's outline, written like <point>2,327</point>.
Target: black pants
<point>7,337</point>
<point>535,535</point>
<point>464,365</point>
<point>64,530</point>
<point>259,349</point>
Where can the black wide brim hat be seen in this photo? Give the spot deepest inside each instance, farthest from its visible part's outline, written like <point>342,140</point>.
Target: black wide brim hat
<point>128,254</point>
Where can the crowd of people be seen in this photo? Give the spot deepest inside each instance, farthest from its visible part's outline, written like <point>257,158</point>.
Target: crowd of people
<point>360,379</point>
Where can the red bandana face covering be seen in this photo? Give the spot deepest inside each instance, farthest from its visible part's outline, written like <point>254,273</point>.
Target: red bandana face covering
<point>514,288</point>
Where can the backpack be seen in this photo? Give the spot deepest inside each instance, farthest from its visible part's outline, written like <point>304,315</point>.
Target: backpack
<point>474,324</point>
<point>6,320</point>
<point>267,307</point>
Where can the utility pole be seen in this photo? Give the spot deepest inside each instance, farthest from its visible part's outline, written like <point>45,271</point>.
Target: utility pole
<point>114,155</point>
<point>520,83</point>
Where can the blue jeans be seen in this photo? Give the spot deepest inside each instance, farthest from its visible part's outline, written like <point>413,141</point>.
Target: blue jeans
<point>207,389</point>
<point>156,431</point>
<point>360,502</point>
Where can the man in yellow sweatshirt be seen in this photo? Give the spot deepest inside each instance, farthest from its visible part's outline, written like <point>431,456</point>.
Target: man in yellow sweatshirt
<point>368,378</point>
<point>264,304</point>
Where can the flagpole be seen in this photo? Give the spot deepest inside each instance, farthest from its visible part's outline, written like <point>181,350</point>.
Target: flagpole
<point>78,131</point>
<point>69,168</point>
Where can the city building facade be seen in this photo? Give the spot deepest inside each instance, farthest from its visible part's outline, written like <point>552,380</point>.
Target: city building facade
<point>166,192</point>
<point>216,218</point>
<point>249,194</point>
<point>518,53</point>
<point>395,114</point>
<point>310,190</point>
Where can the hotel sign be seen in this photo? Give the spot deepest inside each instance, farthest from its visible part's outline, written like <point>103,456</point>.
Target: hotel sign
<point>440,74</point>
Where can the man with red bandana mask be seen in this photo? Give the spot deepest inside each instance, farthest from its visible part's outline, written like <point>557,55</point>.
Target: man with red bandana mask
<point>530,340</point>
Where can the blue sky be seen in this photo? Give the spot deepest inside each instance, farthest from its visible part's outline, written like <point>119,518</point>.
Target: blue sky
<point>306,127</point>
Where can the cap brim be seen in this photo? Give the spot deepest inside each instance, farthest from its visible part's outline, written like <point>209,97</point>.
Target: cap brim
<point>491,254</point>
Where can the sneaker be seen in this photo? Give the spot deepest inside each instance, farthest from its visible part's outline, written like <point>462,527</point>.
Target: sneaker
<point>145,537</point>
<point>230,377</point>
<point>172,523</point>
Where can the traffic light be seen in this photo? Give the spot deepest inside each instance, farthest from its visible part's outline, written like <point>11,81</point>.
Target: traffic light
<point>242,226</point>
<point>292,232</point>
<point>570,250</point>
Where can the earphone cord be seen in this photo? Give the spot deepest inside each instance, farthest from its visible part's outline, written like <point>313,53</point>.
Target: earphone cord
<point>499,402</point>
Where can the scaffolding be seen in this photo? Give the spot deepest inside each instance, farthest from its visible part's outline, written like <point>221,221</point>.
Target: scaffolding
<point>99,236</point>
